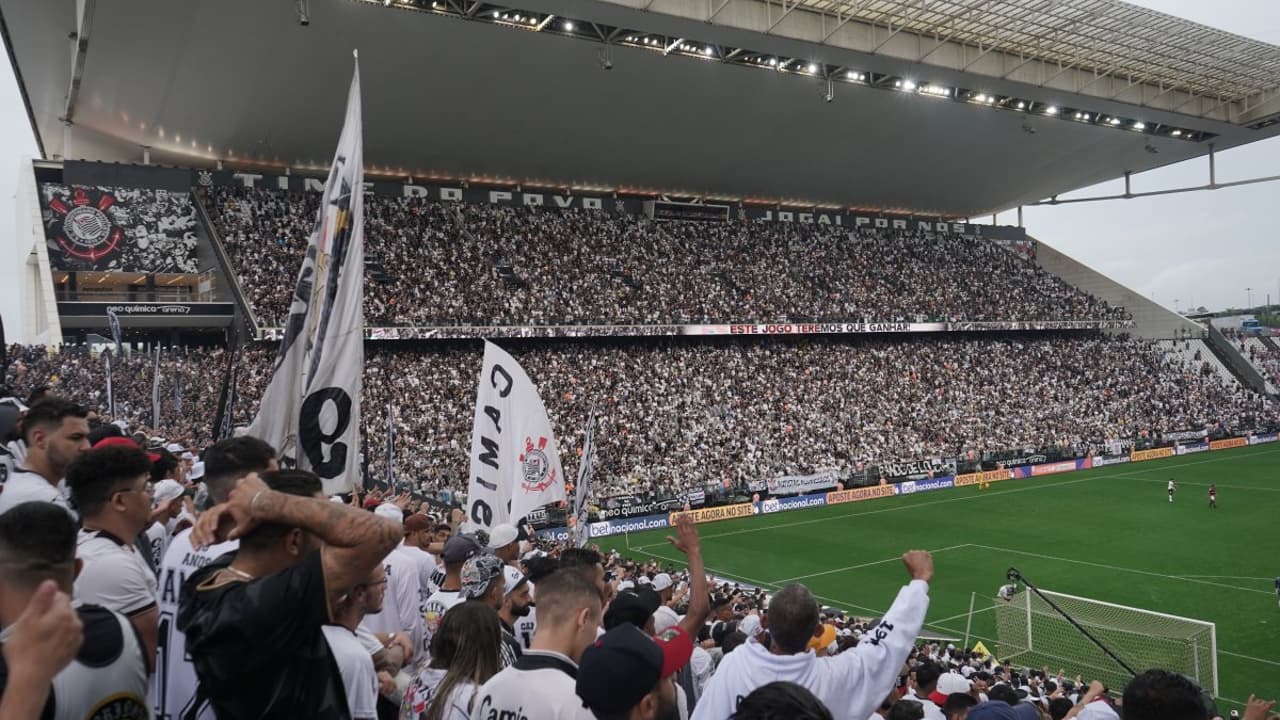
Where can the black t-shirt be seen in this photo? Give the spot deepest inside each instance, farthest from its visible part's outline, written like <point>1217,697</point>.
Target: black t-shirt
<point>258,646</point>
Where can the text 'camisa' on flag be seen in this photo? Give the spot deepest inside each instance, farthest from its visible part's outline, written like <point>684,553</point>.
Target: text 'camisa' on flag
<point>310,411</point>
<point>515,463</point>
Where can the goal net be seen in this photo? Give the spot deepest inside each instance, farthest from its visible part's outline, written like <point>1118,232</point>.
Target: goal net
<point>1030,633</point>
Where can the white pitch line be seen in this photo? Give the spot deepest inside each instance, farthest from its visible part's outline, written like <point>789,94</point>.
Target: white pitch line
<point>979,611</point>
<point>1229,577</point>
<point>897,558</point>
<point>1247,657</point>
<point>1121,569</point>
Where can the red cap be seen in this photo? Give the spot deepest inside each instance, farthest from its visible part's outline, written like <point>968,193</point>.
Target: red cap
<point>677,648</point>
<point>121,441</point>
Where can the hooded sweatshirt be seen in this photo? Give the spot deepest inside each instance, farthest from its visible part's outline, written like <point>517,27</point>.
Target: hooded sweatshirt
<point>851,684</point>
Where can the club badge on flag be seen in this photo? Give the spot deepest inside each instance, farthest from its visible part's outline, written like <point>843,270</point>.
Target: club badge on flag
<point>515,463</point>
<point>310,410</point>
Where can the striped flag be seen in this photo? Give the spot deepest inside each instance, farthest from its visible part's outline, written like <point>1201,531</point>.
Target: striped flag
<point>310,410</point>
<point>582,490</point>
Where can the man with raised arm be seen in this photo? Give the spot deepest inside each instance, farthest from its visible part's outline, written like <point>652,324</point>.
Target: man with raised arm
<point>850,684</point>
<point>254,618</point>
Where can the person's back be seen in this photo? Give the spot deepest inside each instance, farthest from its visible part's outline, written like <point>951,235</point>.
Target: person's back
<point>108,675</point>
<point>175,689</point>
<point>851,684</point>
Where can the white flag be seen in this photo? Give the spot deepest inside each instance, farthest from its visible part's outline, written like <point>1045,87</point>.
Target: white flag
<point>515,464</point>
<point>582,490</point>
<point>310,411</point>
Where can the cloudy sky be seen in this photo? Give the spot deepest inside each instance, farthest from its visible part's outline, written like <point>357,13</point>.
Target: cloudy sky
<point>1183,250</point>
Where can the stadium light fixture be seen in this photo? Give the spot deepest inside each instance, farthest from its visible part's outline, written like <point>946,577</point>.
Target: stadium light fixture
<point>1115,121</point>
<point>908,86</point>
<point>1022,105</point>
<point>1051,110</point>
<point>1139,126</point>
<point>773,62</point>
<point>1175,133</point>
<point>568,25</point>
<point>812,68</point>
<point>709,51</point>
<point>981,97</point>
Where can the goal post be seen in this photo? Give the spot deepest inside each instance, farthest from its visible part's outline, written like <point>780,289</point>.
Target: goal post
<point>1031,633</point>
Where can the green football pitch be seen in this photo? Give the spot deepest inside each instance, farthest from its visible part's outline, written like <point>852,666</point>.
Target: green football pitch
<point>1108,534</point>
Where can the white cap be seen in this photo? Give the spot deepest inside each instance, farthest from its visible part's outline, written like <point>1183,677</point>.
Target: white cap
<point>511,579</point>
<point>174,448</point>
<point>189,456</point>
<point>502,535</point>
<point>390,511</point>
<point>625,585</point>
<point>750,626</point>
<point>166,490</point>
<point>197,470</point>
<point>664,621</point>
<point>643,580</point>
<point>662,581</point>
<point>953,683</point>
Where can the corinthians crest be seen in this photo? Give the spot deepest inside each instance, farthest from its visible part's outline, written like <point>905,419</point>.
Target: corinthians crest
<point>538,475</point>
<point>86,231</point>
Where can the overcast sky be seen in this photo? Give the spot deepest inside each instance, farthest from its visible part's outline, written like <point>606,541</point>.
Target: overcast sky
<point>1188,249</point>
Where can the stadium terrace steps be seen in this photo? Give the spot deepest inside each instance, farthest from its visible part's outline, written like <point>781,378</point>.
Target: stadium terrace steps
<point>1152,320</point>
<point>1254,345</point>
<point>1184,353</point>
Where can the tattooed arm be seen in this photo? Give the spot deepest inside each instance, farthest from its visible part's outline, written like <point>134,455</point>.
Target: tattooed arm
<point>355,540</point>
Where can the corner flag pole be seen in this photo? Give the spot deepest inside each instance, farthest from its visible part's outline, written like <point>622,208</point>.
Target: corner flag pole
<point>1014,575</point>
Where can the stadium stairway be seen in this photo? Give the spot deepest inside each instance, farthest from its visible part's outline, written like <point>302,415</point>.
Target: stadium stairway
<point>1229,354</point>
<point>246,321</point>
<point>1153,321</point>
<point>1254,345</point>
<point>1184,352</point>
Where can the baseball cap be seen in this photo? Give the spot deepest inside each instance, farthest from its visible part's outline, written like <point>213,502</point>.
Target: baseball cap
<point>460,547</point>
<point>478,574</point>
<point>389,511</point>
<point>632,607</point>
<point>197,470</point>
<point>502,535</point>
<point>624,665</point>
<point>512,579</point>
<point>662,581</point>
<point>750,626</point>
<point>952,683</point>
<point>992,710</point>
<point>174,448</point>
<point>119,441</point>
<point>167,489</point>
<point>189,456</point>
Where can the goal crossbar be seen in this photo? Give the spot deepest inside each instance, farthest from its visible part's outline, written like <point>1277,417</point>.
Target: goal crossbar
<point>1032,630</point>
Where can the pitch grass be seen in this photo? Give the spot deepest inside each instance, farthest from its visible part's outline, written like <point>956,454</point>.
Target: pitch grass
<point>1107,534</point>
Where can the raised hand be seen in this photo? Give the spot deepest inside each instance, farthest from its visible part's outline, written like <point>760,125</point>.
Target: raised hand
<point>686,540</point>
<point>919,564</point>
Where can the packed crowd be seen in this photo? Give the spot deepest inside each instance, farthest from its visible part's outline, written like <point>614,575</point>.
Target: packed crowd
<point>466,264</point>
<point>685,414</point>
<point>1263,354</point>
<point>133,589</point>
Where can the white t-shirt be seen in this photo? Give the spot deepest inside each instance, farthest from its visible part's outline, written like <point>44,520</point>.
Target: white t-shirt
<point>355,665</point>
<point>426,563</point>
<point>401,604</point>
<point>437,605</point>
<point>539,685</point>
<point>423,690</point>
<point>26,486</point>
<point>931,709</point>
<point>850,684</point>
<point>108,677</point>
<point>1170,486</point>
<point>174,689</point>
<point>114,574</point>
<point>525,627</point>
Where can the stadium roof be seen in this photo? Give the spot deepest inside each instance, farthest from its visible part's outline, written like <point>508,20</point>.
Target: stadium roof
<point>947,107</point>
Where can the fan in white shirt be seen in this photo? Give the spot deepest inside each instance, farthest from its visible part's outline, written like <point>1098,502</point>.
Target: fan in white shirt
<point>457,550</point>
<point>54,432</point>
<point>112,488</point>
<point>851,684</point>
<point>355,664</point>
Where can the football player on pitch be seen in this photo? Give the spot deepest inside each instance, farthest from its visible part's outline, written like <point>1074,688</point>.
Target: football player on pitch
<point>1213,496</point>
<point>1172,487</point>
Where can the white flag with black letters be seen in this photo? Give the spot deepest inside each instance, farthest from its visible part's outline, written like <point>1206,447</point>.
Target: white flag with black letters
<point>515,464</point>
<point>310,411</point>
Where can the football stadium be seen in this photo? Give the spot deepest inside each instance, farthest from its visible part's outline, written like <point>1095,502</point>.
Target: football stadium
<point>703,344</point>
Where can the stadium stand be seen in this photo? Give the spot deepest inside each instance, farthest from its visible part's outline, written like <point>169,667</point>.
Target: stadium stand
<point>451,264</point>
<point>688,414</point>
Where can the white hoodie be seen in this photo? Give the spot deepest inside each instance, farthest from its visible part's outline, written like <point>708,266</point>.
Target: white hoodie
<point>851,684</point>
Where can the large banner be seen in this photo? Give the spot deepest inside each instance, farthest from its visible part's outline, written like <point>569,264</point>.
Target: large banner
<point>1263,438</point>
<point>1181,435</point>
<point>1229,443</point>
<point>980,478</point>
<point>1156,454</point>
<point>911,487</point>
<point>1105,460</point>
<point>799,484</point>
<point>515,463</point>
<point>918,469</point>
<point>1061,467</point>
<point>310,411</point>
<point>869,492</point>
<point>720,512</point>
<point>1191,448</point>
<point>111,229</point>
<point>460,332</point>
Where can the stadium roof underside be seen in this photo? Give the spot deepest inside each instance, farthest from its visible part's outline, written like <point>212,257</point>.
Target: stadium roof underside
<point>944,107</point>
